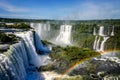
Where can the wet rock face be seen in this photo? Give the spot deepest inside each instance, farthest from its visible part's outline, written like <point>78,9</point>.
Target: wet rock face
<point>101,67</point>
<point>111,65</point>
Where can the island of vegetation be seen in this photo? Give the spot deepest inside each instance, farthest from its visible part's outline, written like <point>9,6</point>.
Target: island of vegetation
<point>65,57</point>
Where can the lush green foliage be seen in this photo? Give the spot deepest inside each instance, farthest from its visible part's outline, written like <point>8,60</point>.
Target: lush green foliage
<point>16,25</point>
<point>82,34</point>
<point>7,38</point>
<point>114,41</point>
<point>68,56</point>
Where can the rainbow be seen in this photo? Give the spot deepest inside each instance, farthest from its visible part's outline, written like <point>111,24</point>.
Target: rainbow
<point>73,67</point>
<point>80,62</point>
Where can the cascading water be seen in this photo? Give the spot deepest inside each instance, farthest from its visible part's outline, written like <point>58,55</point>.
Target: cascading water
<point>109,64</point>
<point>64,35</point>
<point>40,48</point>
<point>42,29</point>
<point>21,61</point>
<point>101,31</point>
<point>102,46</point>
<point>95,42</point>
<point>94,31</point>
<point>98,44</point>
<point>112,33</point>
<point>30,41</point>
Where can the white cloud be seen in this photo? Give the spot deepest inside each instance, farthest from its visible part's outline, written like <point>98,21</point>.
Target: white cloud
<point>82,11</point>
<point>11,8</point>
<point>93,11</point>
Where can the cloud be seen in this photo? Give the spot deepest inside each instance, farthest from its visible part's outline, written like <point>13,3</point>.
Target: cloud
<point>80,11</point>
<point>11,8</point>
<point>24,16</point>
<point>93,11</point>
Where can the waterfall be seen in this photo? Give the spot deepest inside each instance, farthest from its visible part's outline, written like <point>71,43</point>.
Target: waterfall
<point>65,34</point>
<point>21,61</point>
<point>61,38</point>
<point>94,31</point>
<point>102,47</point>
<point>101,31</point>
<point>95,42</point>
<point>41,49</point>
<point>99,45</point>
<point>112,33</point>
<point>13,63</point>
<point>42,29</point>
<point>29,40</point>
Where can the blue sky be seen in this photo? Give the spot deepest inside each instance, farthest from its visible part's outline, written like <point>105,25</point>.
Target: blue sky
<point>60,9</point>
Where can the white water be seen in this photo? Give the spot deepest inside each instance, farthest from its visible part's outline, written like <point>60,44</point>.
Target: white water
<point>101,31</point>
<point>94,31</point>
<point>107,63</point>
<point>98,44</point>
<point>34,57</point>
<point>51,75</point>
<point>102,47</point>
<point>95,42</point>
<point>64,35</point>
<point>21,61</point>
<point>42,29</point>
<point>112,33</point>
<point>40,48</point>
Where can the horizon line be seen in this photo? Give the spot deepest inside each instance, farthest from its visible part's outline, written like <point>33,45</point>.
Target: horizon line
<point>60,19</point>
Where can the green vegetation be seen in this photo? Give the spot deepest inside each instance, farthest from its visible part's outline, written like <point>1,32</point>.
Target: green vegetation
<point>82,33</point>
<point>114,41</point>
<point>82,30</point>
<point>64,58</point>
<point>7,38</point>
<point>45,42</point>
<point>16,25</point>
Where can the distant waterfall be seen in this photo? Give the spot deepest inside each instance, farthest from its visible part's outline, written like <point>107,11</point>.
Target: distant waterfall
<point>94,31</point>
<point>101,31</point>
<point>98,44</point>
<point>42,29</point>
<point>21,61</point>
<point>112,33</point>
<point>102,46</point>
<point>95,42</point>
<point>64,35</point>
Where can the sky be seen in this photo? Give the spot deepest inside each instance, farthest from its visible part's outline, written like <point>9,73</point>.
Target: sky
<point>60,9</point>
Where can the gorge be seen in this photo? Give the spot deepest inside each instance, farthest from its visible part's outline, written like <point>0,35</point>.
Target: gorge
<point>23,59</point>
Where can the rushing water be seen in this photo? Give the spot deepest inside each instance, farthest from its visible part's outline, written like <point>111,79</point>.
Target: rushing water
<point>102,46</point>
<point>99,43</point>
<point>64,36</point>
<point>112,33</point>
<point>101,31</point>
<point>42,29</point>
<point>56,36</point>
<point>21,61</point>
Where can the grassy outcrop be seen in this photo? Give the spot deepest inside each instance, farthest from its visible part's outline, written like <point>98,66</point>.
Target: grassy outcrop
<point>7,38</point>
<point>64,58</point>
